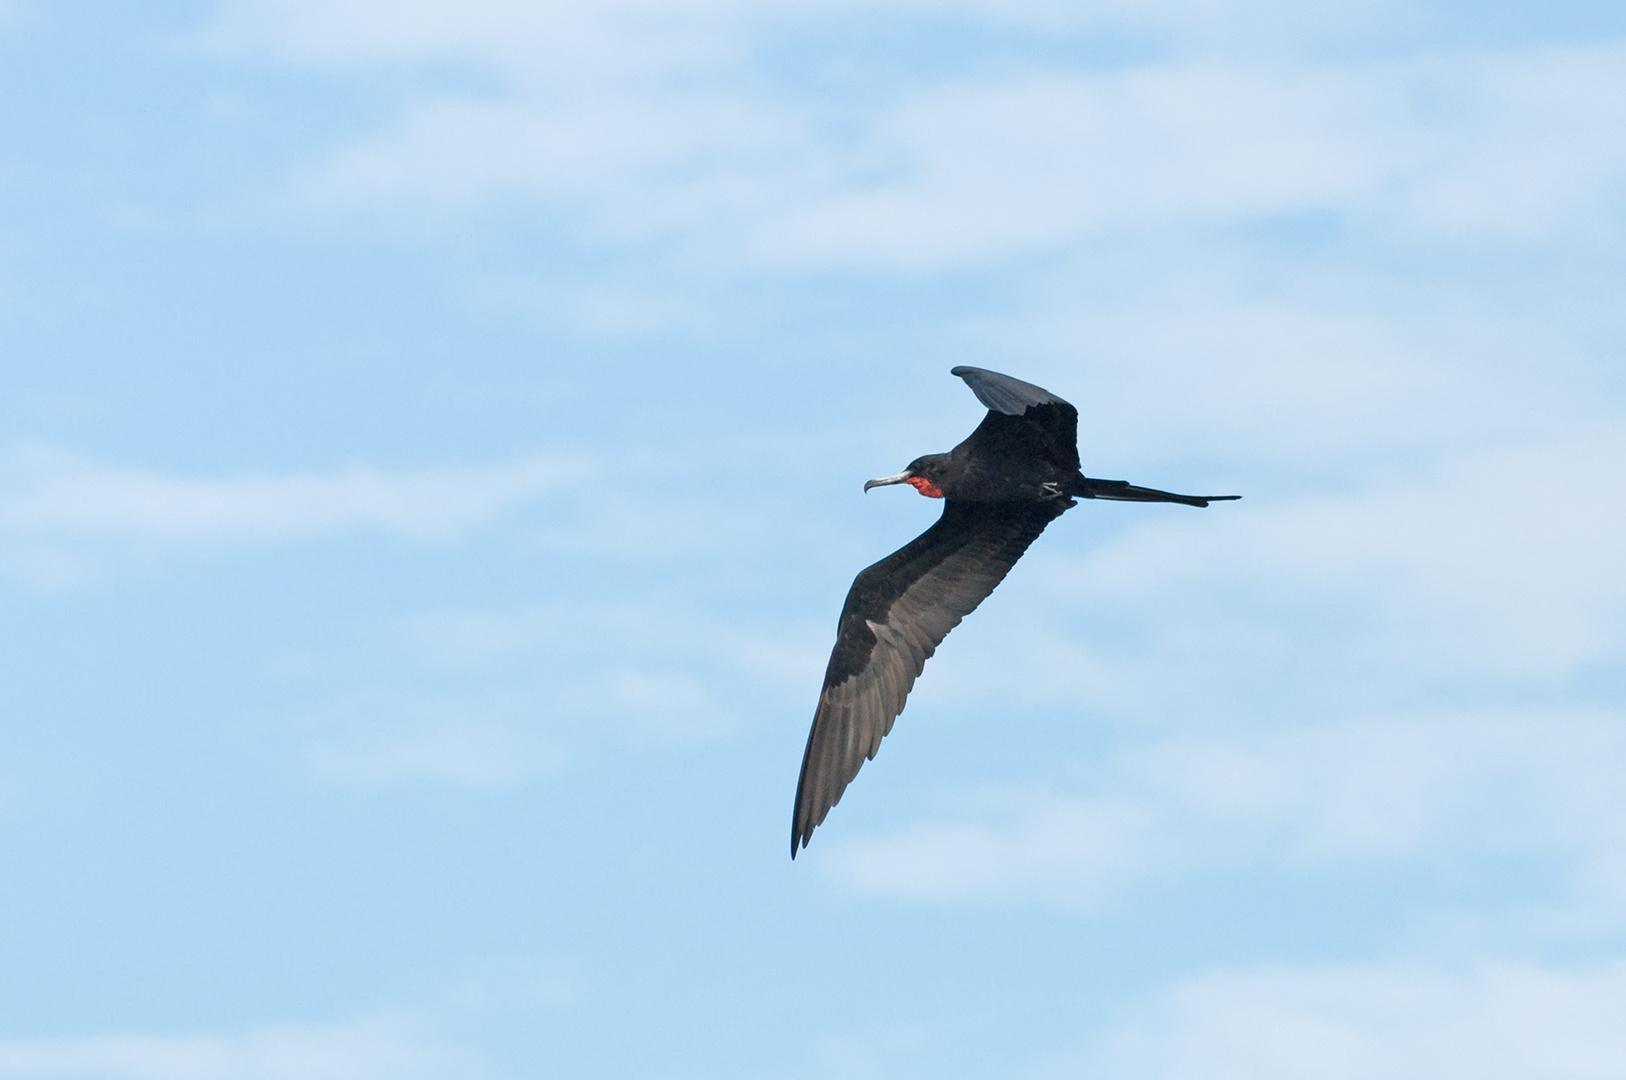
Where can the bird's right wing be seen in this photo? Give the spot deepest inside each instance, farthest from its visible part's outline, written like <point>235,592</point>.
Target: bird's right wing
<point>897,613</point>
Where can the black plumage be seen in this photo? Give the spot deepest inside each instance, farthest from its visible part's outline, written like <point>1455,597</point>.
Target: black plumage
<point>1016,473</point>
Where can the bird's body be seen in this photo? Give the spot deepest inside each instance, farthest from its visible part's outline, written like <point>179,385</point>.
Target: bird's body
<point>1016,473</point>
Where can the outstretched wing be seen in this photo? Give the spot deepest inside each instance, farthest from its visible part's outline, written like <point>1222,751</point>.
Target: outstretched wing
<point>897,613</point>
<point>1022,418</point>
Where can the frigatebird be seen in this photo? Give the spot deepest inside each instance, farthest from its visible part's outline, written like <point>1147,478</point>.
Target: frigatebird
<point>1014,475</point>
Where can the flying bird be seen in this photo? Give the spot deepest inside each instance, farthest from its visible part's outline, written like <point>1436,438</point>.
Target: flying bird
<point>1014,475</point>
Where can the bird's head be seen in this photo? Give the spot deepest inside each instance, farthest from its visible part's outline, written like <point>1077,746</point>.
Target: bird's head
<point>924,474</point>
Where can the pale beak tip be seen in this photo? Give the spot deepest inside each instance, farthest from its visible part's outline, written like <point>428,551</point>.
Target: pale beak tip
<point>885,480</point>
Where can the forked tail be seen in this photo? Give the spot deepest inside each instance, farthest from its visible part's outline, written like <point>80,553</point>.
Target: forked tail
<point>1124,491</point>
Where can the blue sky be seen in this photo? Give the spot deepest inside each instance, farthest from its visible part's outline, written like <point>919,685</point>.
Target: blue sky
<point>431,448</point>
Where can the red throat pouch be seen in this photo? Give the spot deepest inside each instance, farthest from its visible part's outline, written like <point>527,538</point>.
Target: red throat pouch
<point>925,487</point>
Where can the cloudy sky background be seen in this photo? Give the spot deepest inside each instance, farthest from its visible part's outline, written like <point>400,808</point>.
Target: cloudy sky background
<point>431,439</point>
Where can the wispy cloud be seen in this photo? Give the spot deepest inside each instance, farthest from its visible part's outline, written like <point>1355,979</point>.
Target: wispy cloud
<point>1377,793</point>
<point>569,40</point>
<point>1501,559</point>
<point>49,492</point>
<point>494,700</point>
<point>1498,1022</point>
<point>632,116</point>
<point>373,1049</point>
<point>989,169</point>
<point>580,36</point>
<point>394,740</point>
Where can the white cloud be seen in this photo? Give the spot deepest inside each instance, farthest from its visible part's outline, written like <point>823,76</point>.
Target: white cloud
<point>1518,145</point>
<point>566,40</point>
<point>642,166</point>
<point>992,169</point>
<point>1510,147</point>
<point>1073,852</point>
<point>667,707</point>
<point>491,700</point>
<point>1296,802</point>
<point>398,740</point>
<point>639,119</point>
<point>372,1049</point>
<point>1501,562</point>
<point>49,493</point>
<point>643,34</point>
<point>449,699</point>
<point>1490,1022</point>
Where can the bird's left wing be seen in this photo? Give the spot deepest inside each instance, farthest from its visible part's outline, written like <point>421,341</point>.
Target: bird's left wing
<point>1002,393</point>
<point>1022,418</point>
<point>897,613</point>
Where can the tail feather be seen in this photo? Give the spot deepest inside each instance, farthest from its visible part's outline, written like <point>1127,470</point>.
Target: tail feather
<point>1124,491</point>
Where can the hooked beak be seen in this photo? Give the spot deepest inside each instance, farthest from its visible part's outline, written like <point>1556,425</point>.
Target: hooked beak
<point>901,478</point>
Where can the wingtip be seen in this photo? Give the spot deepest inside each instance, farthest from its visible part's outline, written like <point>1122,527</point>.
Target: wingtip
<point>1001,392</point>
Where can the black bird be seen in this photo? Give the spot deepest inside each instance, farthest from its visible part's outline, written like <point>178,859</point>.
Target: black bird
<point>1016,474</point>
